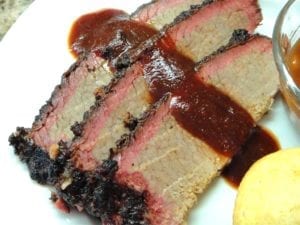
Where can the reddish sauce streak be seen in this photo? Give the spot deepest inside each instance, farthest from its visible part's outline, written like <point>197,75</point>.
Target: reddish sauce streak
<point>110,31</point>
<point>260,143</point>
<point>201,109</point>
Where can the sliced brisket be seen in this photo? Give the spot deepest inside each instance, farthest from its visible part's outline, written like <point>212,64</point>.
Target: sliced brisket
<point>251,65</point>
<point>67,104</point>
<point>169,165</point>
<point>75,94</point>
<point>199,34</point>
<point>126,96</point>
<point>172,160</point>
<point>151,63</point>
<point>149,176</point>
<point>158,13</point>
<point>154,158</point>
<point>201,30</point>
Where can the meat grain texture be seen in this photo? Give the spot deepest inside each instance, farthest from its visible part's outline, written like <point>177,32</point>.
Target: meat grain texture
<point>148,176</point>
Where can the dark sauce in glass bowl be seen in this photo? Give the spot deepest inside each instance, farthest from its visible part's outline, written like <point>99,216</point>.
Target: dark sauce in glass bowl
<point>293,62</point>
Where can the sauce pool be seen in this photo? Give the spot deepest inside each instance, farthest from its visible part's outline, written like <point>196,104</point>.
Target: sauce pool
<point>260,144</point>
<point>108,31</point>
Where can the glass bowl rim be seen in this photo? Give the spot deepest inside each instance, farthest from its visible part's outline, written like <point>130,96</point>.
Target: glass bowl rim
<point>286,80</point>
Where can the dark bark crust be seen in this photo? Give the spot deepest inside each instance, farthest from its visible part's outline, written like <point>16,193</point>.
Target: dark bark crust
<point>100,196</point>
<point>193,10</point>
<point>239,37</point>
<point>42,169</point>
<point>100,98</point>
<point>48,107</point>
<point>96,192</point>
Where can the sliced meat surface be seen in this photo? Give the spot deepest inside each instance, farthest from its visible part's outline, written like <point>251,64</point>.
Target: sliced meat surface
<point>162,161</point>
<point>69,101</point>
<point>174,165</point>
<point>201,30</point>
<point>182,143</point>
<point>162,12</point>
<point>168,163</point>
<point>207,12</point>
<point>124,99</point>
<point>244,83</point>
<point>199,33</point>
<point>75,94</point>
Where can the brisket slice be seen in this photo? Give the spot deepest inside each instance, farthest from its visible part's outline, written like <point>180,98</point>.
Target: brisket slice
<point>113,113</point>
<point>251,80</point>
<point>201,30</point>
<point>68,102</point>
<point>158,13</point>
<point>75,94</point>
<point>173,166</point>
<point>55,119</point>
<point>213,26</point>
<point>154,159</point>
<point>248,16</point>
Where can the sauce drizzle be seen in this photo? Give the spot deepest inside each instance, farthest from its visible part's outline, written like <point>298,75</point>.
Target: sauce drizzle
<point>109,31</point>
<point>200,108</point>
<point>259,144</point>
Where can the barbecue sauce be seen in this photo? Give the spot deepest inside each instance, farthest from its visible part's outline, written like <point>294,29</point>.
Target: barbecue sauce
<point>260,143</point>
<point>109,31</point>
<point>198,107</point>
<point>293,62</point>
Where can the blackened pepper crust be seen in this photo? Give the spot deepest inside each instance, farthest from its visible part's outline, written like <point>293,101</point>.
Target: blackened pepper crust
<point>48,107</point>
<point>78,127</point>
<point>130,122</point>
<point>98,193</point>
<point>42,169</point>
<point>193,9</point>
<point>239,37</point>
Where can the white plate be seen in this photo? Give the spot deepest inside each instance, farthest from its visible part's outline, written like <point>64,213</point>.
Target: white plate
<point>33,56</point>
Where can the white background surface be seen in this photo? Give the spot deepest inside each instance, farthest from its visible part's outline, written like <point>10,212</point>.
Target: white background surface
<point>33,55</point>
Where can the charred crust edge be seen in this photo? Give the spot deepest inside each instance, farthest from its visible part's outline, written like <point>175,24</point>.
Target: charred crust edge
<point>190,12</point>
<point>130,122</point>
<point>106,91</point>
<point>141,7</point>
<point>47,108</point>
<point>101,196</point>
<point>239,37</point>
<point>42,169</point>
<point>96,192</point>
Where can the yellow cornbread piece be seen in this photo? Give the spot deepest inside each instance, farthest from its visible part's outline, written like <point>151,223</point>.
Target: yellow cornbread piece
<point>269,194</point>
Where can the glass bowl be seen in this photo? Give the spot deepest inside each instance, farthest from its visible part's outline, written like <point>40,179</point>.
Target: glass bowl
<point>286,33</point>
